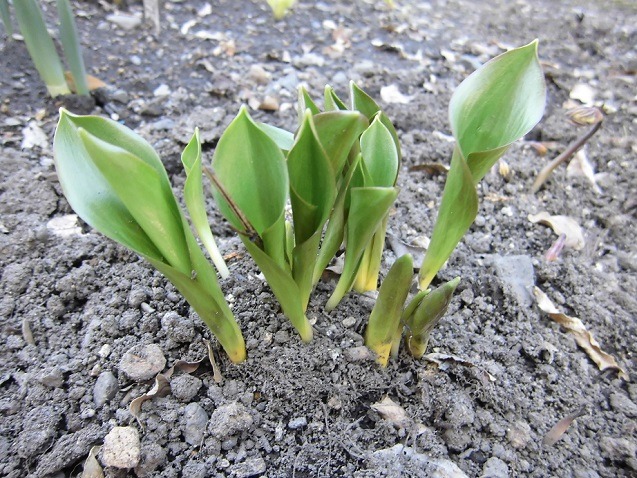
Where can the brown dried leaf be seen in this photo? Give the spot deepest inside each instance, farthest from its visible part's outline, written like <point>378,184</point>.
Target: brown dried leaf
<point>558,430</point>
<point>562,225</point>
<point>582,336</point>
<point>430,168</point>
<point>391,411</point>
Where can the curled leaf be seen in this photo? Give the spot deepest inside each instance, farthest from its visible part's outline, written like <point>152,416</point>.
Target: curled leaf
<point>562,225</point>
<point>92,468</point>
<point>582,336</point>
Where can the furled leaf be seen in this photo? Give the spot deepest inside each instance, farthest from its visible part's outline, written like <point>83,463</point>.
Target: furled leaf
<point>583,337</point>
<point>384,325</point>
<point>423,314</point>
<point>332,101</point>
<point>338,131</point>
<point>305,102</point>
<point>496,105</point>
<point>193,196</point>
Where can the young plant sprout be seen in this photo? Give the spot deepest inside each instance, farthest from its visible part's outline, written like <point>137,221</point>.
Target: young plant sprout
<point>41,48</point>
<point>495,106</point>
<point>115,181</point>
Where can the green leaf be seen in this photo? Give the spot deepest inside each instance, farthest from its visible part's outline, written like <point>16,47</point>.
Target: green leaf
<point>312,182</point>
<point>88,191</point>
<point>40,46</point>
<point>283,139</point>
<point>494,106</point>
<point>335,230</point>
<point>252,170</point>
<point>71,45</point>
<point>148,199</point>
<point>123,192</point>
<point>384,327</point>
<point>338,131</point>
<point>305,102</point>
<point>368,207</point>
<point>424,313</point>
<point>379,154</point>
<point>194,198</point>
<point>332,101</point>
<point>283,287</point>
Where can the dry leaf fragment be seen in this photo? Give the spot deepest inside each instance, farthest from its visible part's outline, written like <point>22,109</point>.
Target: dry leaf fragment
<point>562,225</point>
<point>391,94</point>
<point>558,430</point>
<point>582,336</point>
<point>391,411</point>
<point>581,166</point>
<point>430,168</point>
<point>92,468</point>
<point>584,93</point>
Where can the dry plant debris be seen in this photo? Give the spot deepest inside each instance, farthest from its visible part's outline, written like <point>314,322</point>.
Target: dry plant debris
<point>582,336</point>
<point>562,225</point>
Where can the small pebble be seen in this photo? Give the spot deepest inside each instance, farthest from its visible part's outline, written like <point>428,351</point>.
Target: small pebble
<point>296,423</point>
<point>142,362</point>
<point>250,467</point>
<point>195,420</point>
<point>185,387</point>
<point>349,322</point>
<point>229,419</point>
<point>121,448</point>
<point>358,354</point>
<point>105,388</point>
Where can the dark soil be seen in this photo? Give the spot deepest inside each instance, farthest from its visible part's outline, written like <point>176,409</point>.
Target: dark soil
<point>71,307</point>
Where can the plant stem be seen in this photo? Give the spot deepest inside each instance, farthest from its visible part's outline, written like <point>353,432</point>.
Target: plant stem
<point>566,154</point>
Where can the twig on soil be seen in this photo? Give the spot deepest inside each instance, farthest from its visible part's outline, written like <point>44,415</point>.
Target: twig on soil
<point>569,151</point>
<point>558,430</point>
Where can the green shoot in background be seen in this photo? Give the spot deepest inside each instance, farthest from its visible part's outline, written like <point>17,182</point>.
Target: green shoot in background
<point>115,181</point>
<point>42,49</point>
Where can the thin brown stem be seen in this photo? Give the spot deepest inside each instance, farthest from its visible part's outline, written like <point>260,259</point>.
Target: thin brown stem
<point>248,229</point>
<point>568,152</point>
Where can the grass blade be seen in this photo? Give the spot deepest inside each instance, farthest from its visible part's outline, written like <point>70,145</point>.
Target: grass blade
<point>71,45</point>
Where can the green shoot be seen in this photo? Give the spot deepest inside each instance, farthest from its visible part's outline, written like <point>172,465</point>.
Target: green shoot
<point>115,181</point>
<point>280,7</point>
<point>41,47</point>
<point>385,328</point>
<point>493,107</point>
<point>71,45</point>
<point>6,17</point>
<point>423,313</point>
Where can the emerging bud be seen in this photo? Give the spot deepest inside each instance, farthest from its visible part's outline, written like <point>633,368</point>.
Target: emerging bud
<point>585,115</point>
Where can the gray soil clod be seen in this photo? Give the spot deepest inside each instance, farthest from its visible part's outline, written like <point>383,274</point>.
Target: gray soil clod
<point>86,325</point>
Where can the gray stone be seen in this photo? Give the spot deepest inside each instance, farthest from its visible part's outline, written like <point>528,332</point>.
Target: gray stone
<point>517,275</point>
<point>68,450</point>
<point>121,448</point>
<point>142,362</point>
<point>229,419</point>
<point>250,467</point>
<point>296,423</point>
<point>51,377</point>
<point>178,328</point>
<point>622,404</point>
<point>404,461</point>
<point>618,449</point>
<point>495,468</point>
<point>105,388</point>
<point>195,420</point>
<point>153,455</point>
<point>359,354</point>
<point>195,470</point>
<point>519,434</point>
<point>184,387</point>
